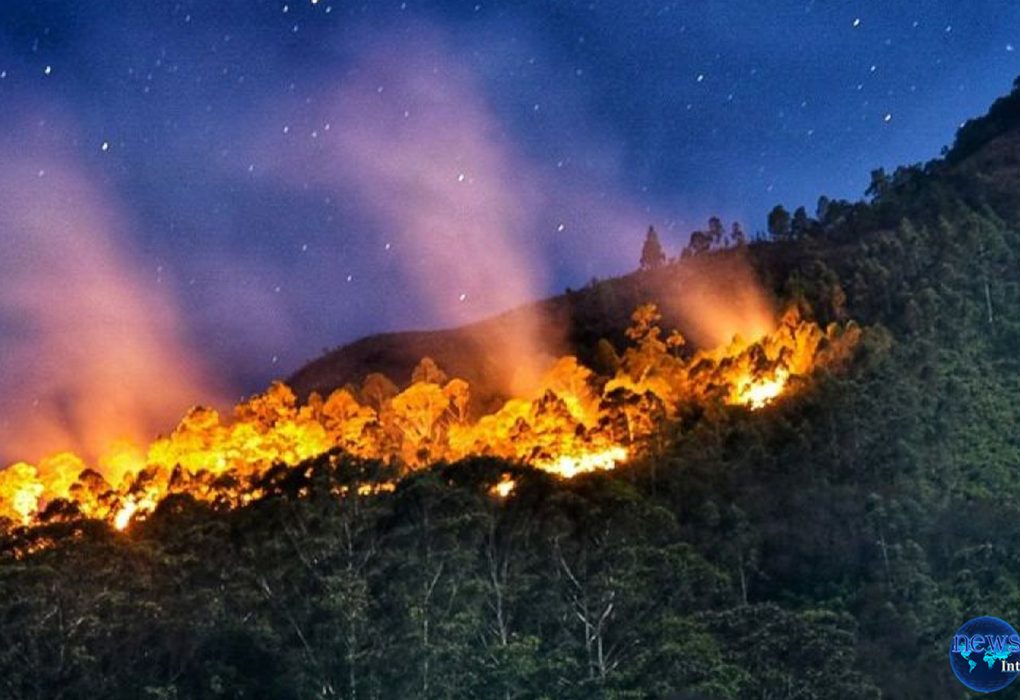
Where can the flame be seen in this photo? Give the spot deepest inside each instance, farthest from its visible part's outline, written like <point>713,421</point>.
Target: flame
<point>757,393</point>
<point>143,503</point>
<point>504,488</point>
<point>573,423</point>
<point>22,489</point>
<point>123,516</point>
<point>570,465</point>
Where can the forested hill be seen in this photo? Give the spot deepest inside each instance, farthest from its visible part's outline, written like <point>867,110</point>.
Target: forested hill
<point>981,171</point>
<point>826,546</point>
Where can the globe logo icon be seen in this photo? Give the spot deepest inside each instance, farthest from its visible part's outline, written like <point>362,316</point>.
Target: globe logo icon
<point>985,654</point>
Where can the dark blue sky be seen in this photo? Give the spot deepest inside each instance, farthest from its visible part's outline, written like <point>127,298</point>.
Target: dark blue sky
<point>234,143</point>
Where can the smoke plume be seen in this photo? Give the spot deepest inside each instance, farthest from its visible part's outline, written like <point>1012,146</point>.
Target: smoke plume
<point>408,138</point>
<point>90,350</point>
<point>713,298</point>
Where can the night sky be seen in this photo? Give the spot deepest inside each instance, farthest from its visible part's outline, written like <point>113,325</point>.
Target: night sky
<point>247,183</point>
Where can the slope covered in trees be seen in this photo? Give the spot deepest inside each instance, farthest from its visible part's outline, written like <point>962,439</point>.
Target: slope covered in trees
<point>826,546</point>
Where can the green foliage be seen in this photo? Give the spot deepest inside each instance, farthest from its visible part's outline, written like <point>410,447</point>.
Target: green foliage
<point>779,222</point>
<point>1003,115</point>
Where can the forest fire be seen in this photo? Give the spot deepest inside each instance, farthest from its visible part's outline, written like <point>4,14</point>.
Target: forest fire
<point>756,393</point>
<point>570,465</point>
<point>504,487</point>
<point>576,422</point>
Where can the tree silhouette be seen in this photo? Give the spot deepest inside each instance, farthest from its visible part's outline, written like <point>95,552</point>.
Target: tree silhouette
<point>700,242</point>
<point>779,222</point>
<point>715,230</point>
<point>801,224</point>
<point>737,235</point>
<point>651,252</point>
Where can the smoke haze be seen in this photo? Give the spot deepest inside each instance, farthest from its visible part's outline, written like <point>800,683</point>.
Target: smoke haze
<point>411,140</point>
<point>91,352</point>
<point>717,297</point>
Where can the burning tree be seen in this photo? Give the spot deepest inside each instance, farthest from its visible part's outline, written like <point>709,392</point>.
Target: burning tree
<point>574,421</point>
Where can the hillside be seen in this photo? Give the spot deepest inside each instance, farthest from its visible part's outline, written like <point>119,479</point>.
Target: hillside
<point>982,169</point>
<point>572,323</point>
<point>825,545</point>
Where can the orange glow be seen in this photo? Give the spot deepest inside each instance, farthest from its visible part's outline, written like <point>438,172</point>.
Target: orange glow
<point>570,465</point>
<point>572,423</point>
<point>123,516</point>
<point>505,487</point>
<point>142,503</point>
<point>21,489</point>
<point>756,393</point>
